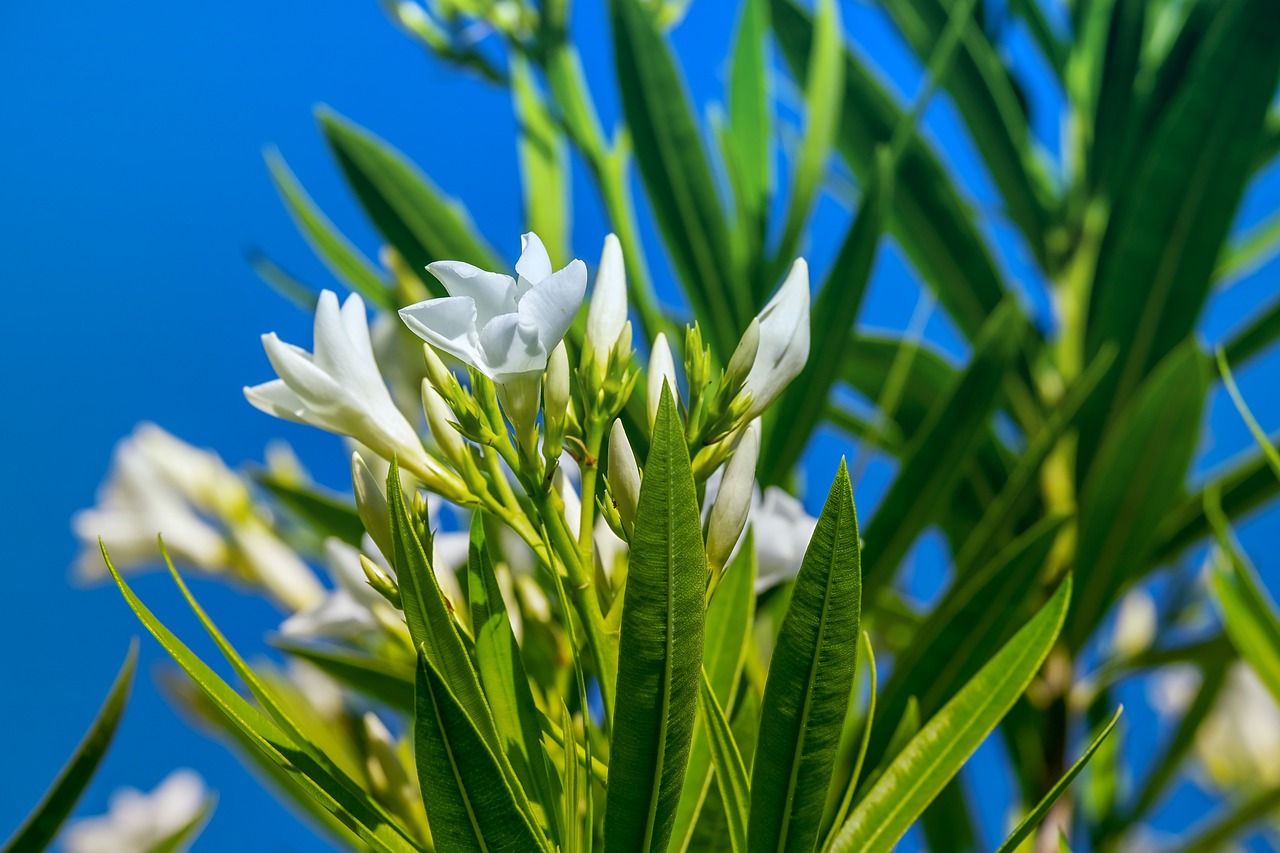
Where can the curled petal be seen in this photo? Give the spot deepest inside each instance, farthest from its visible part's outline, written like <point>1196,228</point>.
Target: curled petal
<point>493,293</point>
<point>551,305</point>
<point>450,325</point>
<point>534,264</point>
<point>511,344</point>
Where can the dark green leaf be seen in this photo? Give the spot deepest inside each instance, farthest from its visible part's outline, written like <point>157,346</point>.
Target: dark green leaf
<point>1258,333</point>
<point>660,649</point>
<point>376,677</point>
<point>42,824</point>
<point>811,674</point>
<point>328,513</point>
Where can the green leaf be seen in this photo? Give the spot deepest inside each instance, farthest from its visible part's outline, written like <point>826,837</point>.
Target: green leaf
<point>938,454</point>
<point>823,93</point>
<point>544,166</point>
<point>42,824</point>
<point>1032,820</point>
<point>810,678</point>
<point>1258,333</point>
<point>410,212</point>
<point>376,677</point>
<point>936,754</point>
<point>1167,230</point>
<point>469,804</point>
<point>328,513</point>
<point>660,650</point>
<point>1248,252</point>
<point>502,674</point>
<point>731,775</point>
<point>907,727</point>
<point>673,163</point>
<point>283,282</point>
<point>868,722</point>
<point>1135,478</point>
<point>342,258</point>
<point>353,810</point>
<point>1255,429</point>
<point>932,221</point>
<point>1248,613</point>
<point>835,311</point>
<point>748,152</point>
<point>730,615</point>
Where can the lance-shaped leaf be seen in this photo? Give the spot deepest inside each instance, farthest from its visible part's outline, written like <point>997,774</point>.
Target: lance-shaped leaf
<point>469,805</point>
<point>936,754</point>
<point>728,631</point>
<point>1135,479</point>
<point>328,514</point>
<point>42,824</point>
<point>747,142</point>
<point>544,166</point>
<point>731,774</point>
<point>660,649</point>
<point>342,258</point>
<point>931,220</point>
<point>1167,229</point>
<point>807,692</point>
<point>1032,820</point>
<point>673,163</point>
<point>934,461</point>
<point>353,809</point>
<point>1248,613</point>
<point>502,674</point>
<point>410,212</point>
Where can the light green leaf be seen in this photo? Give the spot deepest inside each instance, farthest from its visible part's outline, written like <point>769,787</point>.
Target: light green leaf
<point>376,677</point>
<point>731,775</point>
<point>342,258</point>
<point>1032,820</point>
<point>414,216</point>
<point>502,674</point>
<point>1248,613</point>
<point>673,163</point>
<point>936,754</point>
<point>352,809</point>
<point>868,722</point>
<point>42,824</point>
<point>469,804</point>
<point>1248,252</point>
<point>810,679</point>
<point>569,818</point>
<point>907,727</point>
<point>544,166</point>
<point>748,152</point>
<point>328,513</point>
<point>1135,478</point>
<point>660,650</point>
<point>1259,332</point>
<point>1255,429</point>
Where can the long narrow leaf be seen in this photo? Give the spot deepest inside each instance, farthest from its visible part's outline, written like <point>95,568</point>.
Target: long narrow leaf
<point>731,774</point>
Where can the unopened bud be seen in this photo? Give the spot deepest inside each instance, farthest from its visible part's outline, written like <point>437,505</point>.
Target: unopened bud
<point>662,368</point>
<point>440,421</point>
<point>624,476</point>
<point>607,314</point>
<point>439,375</point>
<point>555,395</point>
<point>371,505</point>
<point>743,357</point>
<point>733,503</point>
<point>382,583</point>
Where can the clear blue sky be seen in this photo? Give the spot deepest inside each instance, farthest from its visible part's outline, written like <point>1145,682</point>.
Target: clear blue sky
<point>132,186</point>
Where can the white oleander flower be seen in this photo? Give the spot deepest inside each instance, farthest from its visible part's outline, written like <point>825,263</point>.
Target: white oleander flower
<point>1172,689</point>
<point>339,388</point>
<point>781,530</point>
<point>662,369</point>
<point>734,497</point>
<point>607,314</point>
<point>1135,625</point>
<point>136,821</point>
<point>268,560</point>
<point>782,348</point>
<point>504,327</point>
<point>1239,742</point>
<point>346,612</point>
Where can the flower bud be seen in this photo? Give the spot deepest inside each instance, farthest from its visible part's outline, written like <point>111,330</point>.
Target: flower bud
<point>607,314</point>
<point>783,345</point>
<point>381,582</point>
<point>371,505</point>
<point>624,476</point>
<point>662,367</point>
<point>572,503</point>
<point>439,375</point>
<point>744,356</point>
<point>555,400</point>
<point>439,420</point>
<point>733,502</point>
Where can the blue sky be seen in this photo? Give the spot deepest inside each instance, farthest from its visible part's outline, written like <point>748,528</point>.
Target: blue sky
<point>133,186</point>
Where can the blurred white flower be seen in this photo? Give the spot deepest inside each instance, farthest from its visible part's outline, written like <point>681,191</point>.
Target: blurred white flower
<point>345,613</point>
<point>1135,625</point>
<point>783,346</point>
<point>781,530</point>
<point>1172,689</point>
<point>503,327</point>
<point>136,821</point>
<point>338,387</point>
<point>1239,742</point>
<point>607,314</point>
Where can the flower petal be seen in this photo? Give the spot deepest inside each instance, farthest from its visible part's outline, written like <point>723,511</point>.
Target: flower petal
<point>355,322</point>
<point>449,324</point>
<point>276,398</point>
<point>534,264</point>
<point>511,344</point>
<point>551,305</point>
<point>316,388</point>
<point>494,293</point>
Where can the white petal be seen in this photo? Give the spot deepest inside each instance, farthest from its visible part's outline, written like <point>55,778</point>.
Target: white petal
<point>511,345</point>
<point>316,388</point>
<point>784,340</point>
<point>276,398</point>
<point>608,312</point>
<point>534,264</point>
<point>662,369</point>
<point>494,293</point>
<point>448,324</point>
<point>553,302</point>
<point>338,616</point>
<point>355,321</point>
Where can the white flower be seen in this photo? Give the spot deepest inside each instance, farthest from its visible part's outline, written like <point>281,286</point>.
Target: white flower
<point>138,500</point>
<point>503,327</point>
<point>1239,742</point>
<point>733,499</point>
<point>783,346</point>
<point>608,311</point>
<point>1135,625</point>
<point>136,821</point>
<point>662,369</point>
<point>781,530</point>
<point>272,563</point>
<point>339,387</point>
<point>345,613</point>
<point>1172,689</point>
